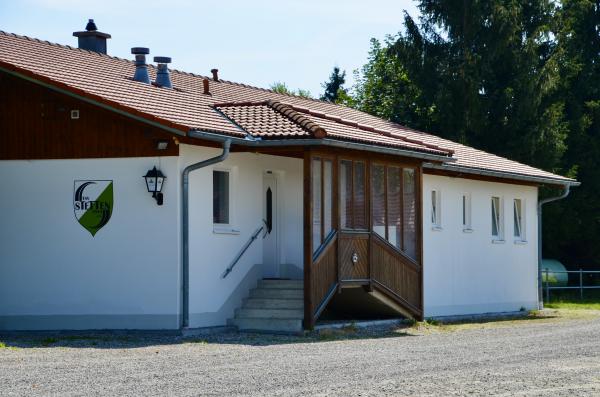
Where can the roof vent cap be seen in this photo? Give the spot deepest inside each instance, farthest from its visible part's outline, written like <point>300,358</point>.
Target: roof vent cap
<point>91,25</point>
<point>163,78</point>
<point>215,73</point>
<point>141,68</point>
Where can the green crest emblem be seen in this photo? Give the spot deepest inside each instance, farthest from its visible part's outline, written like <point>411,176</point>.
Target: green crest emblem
<point>93,204</point>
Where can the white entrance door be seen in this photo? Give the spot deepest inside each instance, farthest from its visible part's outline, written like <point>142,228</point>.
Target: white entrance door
<point>271,257</point>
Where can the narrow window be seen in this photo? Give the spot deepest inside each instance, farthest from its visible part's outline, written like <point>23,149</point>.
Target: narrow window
<point>466,212</point>
<point>327,197</point>
<point>409,221</point>
<point>221,197</point>
<point>436,213</point>
<point>378,199</point>
<point>519,231</point>
<point>497,218</point>
<point>360,203</point>
<point>346,194</point>
<point>394,206</point>
<point>353,200</point>
<point>322,200</point>
<point>316,203</point>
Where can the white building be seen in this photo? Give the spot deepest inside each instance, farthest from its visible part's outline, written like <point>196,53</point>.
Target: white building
<point>337,198</point>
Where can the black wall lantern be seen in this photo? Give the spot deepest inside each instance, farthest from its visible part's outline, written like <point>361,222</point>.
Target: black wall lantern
<point>154,182</point>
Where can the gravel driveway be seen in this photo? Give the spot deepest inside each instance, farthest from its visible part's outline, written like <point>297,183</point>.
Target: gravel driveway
<point>529,357</point>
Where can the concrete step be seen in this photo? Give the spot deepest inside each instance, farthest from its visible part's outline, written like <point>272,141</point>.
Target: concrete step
<point>268,303</point>
<point>268,324</point>
<point>276,293</point>
<point>269,313</point>
<point>281,284</point>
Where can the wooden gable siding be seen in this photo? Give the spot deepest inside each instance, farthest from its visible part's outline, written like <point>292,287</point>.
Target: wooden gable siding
<point>35,123</point>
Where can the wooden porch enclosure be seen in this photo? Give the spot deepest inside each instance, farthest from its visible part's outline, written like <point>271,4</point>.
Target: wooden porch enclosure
<point>362,227</point>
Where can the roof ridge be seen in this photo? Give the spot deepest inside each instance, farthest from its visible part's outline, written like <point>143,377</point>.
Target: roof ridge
<point>65,46</point>
<point>283,109</point>
<point>170,69</point>
<point>369,128</point>
<point>307,124</point>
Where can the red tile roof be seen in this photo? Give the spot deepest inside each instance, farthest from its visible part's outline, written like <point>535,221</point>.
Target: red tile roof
<point>233,109</point>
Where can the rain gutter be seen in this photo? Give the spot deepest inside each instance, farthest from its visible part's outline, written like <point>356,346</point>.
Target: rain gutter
<point>185,284</point>
<point>499,174</point>
<point>565,193</point>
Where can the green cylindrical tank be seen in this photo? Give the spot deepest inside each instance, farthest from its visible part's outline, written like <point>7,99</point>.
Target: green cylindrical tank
<point>554,279</point>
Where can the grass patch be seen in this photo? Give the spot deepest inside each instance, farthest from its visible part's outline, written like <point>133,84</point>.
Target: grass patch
<point>197,341</point>
<point>4,346</point>
<point>574,305</point>
<point>533,316</point>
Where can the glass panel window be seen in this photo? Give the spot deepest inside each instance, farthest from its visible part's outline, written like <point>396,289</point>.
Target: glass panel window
<point>394,205</point>
<point>518,219</point>
<point>360,203</point>
<point>410,213</point>
<point>327,197</point>
<point>497,218</point>
<point>221,197</point>
<point>378,199</point>
<point>466,211</point>
<point>316,203</point>
<point>436,210</point>
<point>346,194</point>
<point>353,203</point>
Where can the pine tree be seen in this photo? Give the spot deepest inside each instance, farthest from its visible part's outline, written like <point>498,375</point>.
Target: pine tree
<point>334,89</point>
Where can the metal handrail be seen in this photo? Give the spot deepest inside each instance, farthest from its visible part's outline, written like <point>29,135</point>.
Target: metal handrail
<point>244,249</point>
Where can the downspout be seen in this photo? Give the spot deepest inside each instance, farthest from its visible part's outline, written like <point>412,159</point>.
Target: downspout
<point>185,287</point>
<point>565,193</point>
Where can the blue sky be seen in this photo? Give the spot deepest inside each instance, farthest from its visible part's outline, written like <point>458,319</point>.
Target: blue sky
<point>254,42</point>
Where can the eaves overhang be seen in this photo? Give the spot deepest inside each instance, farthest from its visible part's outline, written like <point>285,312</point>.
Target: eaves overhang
<point>454,168</point>
<point>256,142</point>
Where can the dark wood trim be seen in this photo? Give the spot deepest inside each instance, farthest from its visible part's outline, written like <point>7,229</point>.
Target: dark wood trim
<point>307,206</point>
<point>36,124</point>
<point>419,230</point>
<point>385,203</point>
<point>382,288</point>
<point>53,85</point>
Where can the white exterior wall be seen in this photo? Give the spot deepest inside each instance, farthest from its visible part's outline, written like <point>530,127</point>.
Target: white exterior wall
<point>466,273</point>
<point>55,275</point>
<point>212,300</point>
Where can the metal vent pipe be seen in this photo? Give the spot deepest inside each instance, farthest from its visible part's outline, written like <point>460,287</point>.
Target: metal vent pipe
<point>141,68</point>
<point>163,78</point>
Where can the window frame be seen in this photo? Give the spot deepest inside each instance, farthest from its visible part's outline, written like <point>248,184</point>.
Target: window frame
<point>226,228</point>
<point>435,209</point>
<point>466,212</point>
<point>521,237</point>
<point>498,216</point>
<point>323,158</point>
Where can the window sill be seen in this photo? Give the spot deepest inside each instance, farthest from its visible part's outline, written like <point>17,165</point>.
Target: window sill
<point>225,230</point>
<point>467,230</point>
<point>520,242</point>
<point>436,228</point>
<point>498,241</point>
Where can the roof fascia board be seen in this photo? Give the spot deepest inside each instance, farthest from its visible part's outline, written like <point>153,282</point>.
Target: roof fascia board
<point>317,142</point>
<point>503,175</point>
<point>93,101</point>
